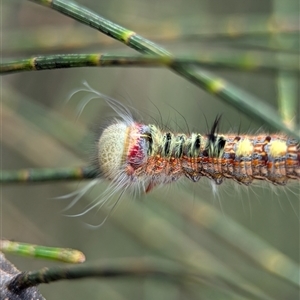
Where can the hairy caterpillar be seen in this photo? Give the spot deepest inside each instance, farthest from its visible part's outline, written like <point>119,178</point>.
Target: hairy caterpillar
<point>140,157</point>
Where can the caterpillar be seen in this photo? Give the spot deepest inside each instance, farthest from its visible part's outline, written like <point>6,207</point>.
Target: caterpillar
<point>138,153</point>
<point>141,157</point>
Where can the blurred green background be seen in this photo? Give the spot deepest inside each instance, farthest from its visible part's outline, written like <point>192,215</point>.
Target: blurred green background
<point>39,129</point>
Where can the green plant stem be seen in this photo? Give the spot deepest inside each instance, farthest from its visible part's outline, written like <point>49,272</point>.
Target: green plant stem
<point>58,254</point>
<point>238,28</point>
<point>129,267</point>
<point>137,267</point>
<point>250,105</point>
<point>47,174</point>
<point>246,62</point>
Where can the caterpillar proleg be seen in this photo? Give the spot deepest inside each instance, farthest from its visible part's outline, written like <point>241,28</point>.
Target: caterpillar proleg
<point>140,156</point>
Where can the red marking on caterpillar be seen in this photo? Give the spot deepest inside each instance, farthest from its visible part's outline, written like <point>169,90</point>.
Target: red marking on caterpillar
<point>142,157</point>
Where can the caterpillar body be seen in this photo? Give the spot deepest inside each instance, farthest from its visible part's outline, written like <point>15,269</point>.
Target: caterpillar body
<point>143,154</point>
<point>130,153</point>
<point>139,157</point>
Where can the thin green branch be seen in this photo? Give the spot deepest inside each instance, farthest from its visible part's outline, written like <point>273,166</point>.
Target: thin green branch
<point>246,62</point>
<point>237,29</point>
<point>248,104</point>
<point>129,267</point>
<point>47,174</point>
<point>136,267</point>
<point>58,254</point>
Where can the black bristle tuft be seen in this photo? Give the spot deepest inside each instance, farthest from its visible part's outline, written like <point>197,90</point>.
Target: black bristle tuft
<point>214,129</point>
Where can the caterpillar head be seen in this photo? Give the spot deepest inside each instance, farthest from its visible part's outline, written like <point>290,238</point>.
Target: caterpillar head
<point>122,149</point>
<point>111,146</point>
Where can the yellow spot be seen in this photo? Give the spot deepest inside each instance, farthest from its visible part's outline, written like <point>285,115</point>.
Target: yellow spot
<point>244,148</point>
<point>127,35</point>
<point>32,63</point>
<point>78,257</point>
<point>71,256</point>
<point>234,28</point>
<point>278,148</point>
<point>96,59</point>
<point>272,261</point>
<point>216,86</point>
<point>251,61</point>
<point>24,175</point>
<point>47,2</point>
<point>78,172</point>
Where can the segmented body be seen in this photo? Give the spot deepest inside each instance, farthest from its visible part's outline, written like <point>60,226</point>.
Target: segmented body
<point>151,157</point>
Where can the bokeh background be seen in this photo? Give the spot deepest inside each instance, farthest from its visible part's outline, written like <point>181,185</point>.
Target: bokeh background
<point>40,129</point>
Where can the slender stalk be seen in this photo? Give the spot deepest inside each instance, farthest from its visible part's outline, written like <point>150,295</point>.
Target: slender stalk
<point>288,86</point>
<point>129,267</point>
<point>288,98</point>
<point>58,254</point>
<point>109,268</point>
<point>248,104</point>
<point>246,62</point>
<point>47,174</point>
<point>238,29</point>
